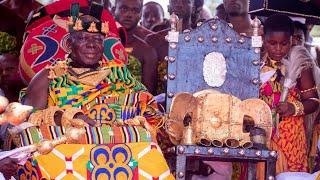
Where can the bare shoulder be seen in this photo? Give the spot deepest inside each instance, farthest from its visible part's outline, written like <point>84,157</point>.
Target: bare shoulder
<point>157,37</point>
<point>37,91</point>
<point>40,77</point>
<point>141,43</point>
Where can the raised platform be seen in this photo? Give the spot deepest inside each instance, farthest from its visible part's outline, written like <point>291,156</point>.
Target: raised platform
<point>252,156</point>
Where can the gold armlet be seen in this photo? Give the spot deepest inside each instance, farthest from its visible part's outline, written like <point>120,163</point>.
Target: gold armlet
<point>298,108</point>
<point>68,115</point>
<point>36,118</point>
<point>49,114</point>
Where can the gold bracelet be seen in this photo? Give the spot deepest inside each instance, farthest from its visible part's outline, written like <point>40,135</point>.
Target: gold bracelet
<point>308,90</point>
<point>36,118</point>
<point>48,115</point>
<point>298,108</point>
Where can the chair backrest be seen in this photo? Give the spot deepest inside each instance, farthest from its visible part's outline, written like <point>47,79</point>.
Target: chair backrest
<point>213,56</point>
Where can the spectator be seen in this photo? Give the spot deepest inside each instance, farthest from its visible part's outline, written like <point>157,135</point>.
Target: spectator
<point>128,14</point>
<point>152,14</point>
<point>300,34</point>
<point>142,57</point>
<point>237,15</point>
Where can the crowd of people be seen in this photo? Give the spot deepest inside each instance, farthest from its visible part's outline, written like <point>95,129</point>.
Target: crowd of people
<point>146,46</point>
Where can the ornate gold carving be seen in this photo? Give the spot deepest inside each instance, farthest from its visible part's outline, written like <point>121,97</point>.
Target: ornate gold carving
<point>105,28</point>
<point>93,27</point>
<point>78,25</point>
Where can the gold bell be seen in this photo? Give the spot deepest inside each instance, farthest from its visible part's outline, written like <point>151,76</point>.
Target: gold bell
<point>187,132</point>
<point>187,136</point>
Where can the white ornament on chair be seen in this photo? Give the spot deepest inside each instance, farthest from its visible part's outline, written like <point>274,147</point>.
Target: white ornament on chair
<point>214,69</point>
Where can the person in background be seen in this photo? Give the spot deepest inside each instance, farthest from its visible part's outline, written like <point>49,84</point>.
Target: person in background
<point>10,81</point>
<point>128,13</point>
<point>300,34</point>
<point>289,140</point>
<point>184,10</point>
<point>221,12</point>
<point>105,3</point>
<point>152,14</point>
<point>237,15</point>
<point>202,13</point>
<point>142,57</point>
<point>13,14</point>
<point>162,26</point>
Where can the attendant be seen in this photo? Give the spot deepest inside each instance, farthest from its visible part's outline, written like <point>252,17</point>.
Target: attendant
<point>300,34</point>
<point>131,11</point>
<point>221,12</point>
<point>142,57</point>
<point>202,13</point>
<point>288,139</point>
<point>10,81</point>
<point>183,9</point>
<point>237,14</point>
<point>152,14</point>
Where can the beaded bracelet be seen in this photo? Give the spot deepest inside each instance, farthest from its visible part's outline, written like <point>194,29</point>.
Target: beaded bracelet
<point>298,108</point>
<point>308,90</point>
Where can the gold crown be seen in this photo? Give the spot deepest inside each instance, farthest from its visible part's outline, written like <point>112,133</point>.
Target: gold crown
<point>93,27</point>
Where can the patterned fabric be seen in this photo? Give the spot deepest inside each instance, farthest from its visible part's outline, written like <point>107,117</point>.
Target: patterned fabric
<point>103,134</point>
<point>46,40</point>
<point>290,140</point>
<point>112,161</point>
<point>162,72</point>
<point>117,98</point>
<point>30,170</point>
<point>135,67</point>
<point>44,45</point>
<point>114,50</point>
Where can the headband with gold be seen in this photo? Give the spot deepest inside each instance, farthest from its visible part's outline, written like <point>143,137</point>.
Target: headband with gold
<point>92,27</point>
<point>89,23</point>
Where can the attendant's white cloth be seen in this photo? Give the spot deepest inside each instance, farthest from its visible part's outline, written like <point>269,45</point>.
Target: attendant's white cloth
<point>2,177</point>
<point>297,176</point>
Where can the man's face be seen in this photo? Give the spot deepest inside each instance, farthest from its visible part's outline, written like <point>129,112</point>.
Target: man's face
<point>87,48</point>
<point>182,8</point>
<point>236,7</point>
<point>9,72</point>
<point>128,13</point>
<point>151,15</point>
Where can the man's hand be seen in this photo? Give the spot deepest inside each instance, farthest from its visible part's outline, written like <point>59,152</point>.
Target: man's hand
<point>8,167</point>
<point>285,109</point>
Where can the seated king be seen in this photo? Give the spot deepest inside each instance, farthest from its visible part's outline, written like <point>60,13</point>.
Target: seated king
<point>121,118</point>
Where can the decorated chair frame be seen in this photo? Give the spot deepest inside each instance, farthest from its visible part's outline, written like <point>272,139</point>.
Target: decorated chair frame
<point>214,56</point>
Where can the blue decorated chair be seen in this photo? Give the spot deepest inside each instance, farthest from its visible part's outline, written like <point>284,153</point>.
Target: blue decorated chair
<point>214,56</point>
